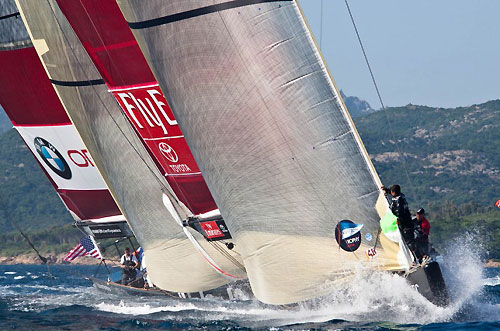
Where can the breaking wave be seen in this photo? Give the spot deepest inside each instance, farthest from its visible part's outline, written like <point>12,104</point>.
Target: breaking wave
<point>492,281</point>
<point>372,299</point>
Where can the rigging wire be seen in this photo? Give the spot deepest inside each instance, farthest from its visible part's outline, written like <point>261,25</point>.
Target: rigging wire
<point>7,215</point>
<point>405,168</point>
<point>224,252</point>
<point>321,26</point>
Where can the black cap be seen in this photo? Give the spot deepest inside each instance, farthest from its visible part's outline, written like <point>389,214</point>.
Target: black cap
<point>421,211</point>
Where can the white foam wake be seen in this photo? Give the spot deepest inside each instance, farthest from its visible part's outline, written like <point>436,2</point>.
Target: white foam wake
<point>492,281</point>
<point>370,297</point>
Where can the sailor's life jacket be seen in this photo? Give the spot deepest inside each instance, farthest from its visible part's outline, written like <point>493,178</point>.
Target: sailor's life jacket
<point>130,263</point>
<point>399,207</point>
<point>422,229</point>
<point>129,271</point>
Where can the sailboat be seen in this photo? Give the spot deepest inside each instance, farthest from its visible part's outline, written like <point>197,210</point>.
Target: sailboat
<point>179,258</point>
<point>268,130</point>
<point>274,141</point>
<point>32,105</point>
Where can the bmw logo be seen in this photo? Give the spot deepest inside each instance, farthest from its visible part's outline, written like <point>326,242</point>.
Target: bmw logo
<point>52,158</point>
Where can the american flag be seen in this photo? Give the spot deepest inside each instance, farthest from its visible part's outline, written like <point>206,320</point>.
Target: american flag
<point>86,247</point>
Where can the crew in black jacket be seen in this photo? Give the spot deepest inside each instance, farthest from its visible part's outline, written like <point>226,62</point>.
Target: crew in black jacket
<point>399,207</point>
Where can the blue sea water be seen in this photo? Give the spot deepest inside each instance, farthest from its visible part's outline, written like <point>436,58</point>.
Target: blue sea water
<point>30,299</point>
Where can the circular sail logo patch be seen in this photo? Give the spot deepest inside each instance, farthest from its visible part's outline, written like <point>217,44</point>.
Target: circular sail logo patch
<point>348,235</point>
<point>52,158</point>
<point>168,152</point>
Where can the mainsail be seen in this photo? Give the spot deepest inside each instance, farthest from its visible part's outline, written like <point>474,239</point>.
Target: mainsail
<point>279,150</point>
<point>101,28</point>
<point>136,183</point>
<point>32,105</point>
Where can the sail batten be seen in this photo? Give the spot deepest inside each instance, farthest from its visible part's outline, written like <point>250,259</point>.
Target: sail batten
<point>279,151</point>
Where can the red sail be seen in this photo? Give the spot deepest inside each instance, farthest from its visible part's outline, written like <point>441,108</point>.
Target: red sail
<point>108,40</point>
<point>31,103</point>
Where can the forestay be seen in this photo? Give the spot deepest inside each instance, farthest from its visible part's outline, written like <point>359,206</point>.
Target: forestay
<point>279,151</point>
<point>173,263</point>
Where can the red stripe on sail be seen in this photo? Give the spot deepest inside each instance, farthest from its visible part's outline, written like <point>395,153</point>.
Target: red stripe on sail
<point>101,28</point>
<point>30,100</point>
<point>90,204</point>
<point>27,95</point>
<point>39,125</point>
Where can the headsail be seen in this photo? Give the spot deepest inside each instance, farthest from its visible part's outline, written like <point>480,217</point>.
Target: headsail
<point>32,105</point>
<point>279,151</point>
<point>173,263</point>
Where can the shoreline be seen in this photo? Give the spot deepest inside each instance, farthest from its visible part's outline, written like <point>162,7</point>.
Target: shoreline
<point>492,264</point>
<point>58,259</point>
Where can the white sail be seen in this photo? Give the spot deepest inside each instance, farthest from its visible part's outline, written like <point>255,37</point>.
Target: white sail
<point>272,137</point>
<point>173,262</point>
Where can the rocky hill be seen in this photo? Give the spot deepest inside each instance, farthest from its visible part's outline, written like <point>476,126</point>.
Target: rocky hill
<point>357,107</point>
<point>437,154</point>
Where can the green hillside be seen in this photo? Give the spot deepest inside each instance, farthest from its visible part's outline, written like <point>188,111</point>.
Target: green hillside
<point>448,154</point>
<point>5,123</point>
<point>446,160</point>
<point>26,195</point>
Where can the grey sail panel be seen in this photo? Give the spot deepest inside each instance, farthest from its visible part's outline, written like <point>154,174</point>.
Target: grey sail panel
<point>13,34</point>
<point>173,263</point>
<point>278,151</point>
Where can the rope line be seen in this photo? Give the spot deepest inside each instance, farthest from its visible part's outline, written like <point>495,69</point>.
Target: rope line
<point>223,251</point>
<point>6,214</point>
<point>321,26</point>
<point>405,168</point>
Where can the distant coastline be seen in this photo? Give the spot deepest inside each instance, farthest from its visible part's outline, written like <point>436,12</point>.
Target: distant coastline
<point>492,264</point>
<point>52,258</point>
<point>59,259</point>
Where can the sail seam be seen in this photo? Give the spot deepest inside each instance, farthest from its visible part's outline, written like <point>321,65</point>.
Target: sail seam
<point>197,12</point>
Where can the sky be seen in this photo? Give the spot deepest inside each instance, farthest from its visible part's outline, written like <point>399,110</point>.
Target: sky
<point>443,53</point>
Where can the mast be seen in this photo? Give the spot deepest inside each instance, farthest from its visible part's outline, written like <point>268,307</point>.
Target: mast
<point>173,262</point>
<point>278,151</point>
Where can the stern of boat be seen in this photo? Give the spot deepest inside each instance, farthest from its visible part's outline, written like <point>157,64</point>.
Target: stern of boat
<point>428,280</point>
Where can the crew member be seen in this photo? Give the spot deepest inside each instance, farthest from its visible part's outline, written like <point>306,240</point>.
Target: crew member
<point>399,207</point>
<point>422,230</point>
<point>128,264</point>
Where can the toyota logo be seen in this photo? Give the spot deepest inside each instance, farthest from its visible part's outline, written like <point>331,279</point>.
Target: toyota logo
<point>168,152</point>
